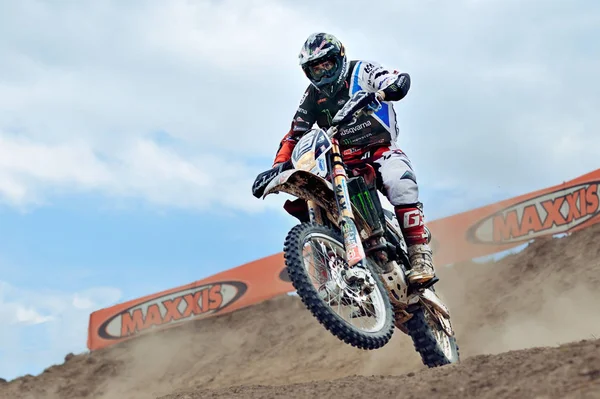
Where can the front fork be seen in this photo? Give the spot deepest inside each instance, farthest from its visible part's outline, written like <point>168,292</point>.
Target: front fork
<point>393,276</point>
<point>355,252</point>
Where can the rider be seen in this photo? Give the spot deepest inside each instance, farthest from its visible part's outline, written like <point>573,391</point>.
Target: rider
<point>370,139</point>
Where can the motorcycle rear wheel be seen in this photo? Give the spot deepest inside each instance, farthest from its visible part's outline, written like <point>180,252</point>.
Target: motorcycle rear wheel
<point>430,340</point>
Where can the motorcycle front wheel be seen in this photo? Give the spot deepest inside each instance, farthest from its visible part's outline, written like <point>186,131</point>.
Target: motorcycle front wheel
<point>315,257</point>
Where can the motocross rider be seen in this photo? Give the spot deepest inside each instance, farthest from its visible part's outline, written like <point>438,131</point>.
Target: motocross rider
<point>371,139</point>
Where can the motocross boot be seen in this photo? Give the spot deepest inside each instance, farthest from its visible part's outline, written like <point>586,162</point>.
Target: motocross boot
<point>421,261</point>
<point>417,237</point>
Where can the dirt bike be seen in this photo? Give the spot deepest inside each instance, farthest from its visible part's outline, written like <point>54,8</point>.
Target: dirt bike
<point>357,264</point>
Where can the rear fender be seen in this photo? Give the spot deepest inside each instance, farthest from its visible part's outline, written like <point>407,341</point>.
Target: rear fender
<point>436,308</point>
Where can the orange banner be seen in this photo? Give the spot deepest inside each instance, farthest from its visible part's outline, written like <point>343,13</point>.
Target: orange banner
<point>563,208</point>
<point>219,294</point>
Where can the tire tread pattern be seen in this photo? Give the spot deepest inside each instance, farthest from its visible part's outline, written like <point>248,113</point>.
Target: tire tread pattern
<point>425,343</point>
<point>323,313</point>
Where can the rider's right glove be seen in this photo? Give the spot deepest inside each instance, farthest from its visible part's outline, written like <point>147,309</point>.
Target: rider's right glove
<point>264,178</point>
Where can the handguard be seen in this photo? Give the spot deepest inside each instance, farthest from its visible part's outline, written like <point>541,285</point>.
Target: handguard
<point>264,178</point>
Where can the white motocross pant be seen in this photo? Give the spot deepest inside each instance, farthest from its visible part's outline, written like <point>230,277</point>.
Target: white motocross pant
<point>398,178</point>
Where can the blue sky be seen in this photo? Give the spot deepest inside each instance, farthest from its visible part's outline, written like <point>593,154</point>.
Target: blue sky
<point>130,134</point>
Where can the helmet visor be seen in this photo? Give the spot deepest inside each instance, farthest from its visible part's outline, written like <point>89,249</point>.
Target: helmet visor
<point>320,69</point>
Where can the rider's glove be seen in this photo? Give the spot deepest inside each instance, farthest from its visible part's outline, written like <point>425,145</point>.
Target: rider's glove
<point>375,101</point>
<point>367,102</point>
<point>264,178</point>
<point>371,102</point>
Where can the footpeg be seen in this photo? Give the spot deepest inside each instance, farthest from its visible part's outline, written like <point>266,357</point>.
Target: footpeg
<point>422,286</point>
<point>430,282</point>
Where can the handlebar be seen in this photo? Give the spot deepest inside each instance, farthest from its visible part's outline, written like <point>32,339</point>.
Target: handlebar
<point>353,108</point>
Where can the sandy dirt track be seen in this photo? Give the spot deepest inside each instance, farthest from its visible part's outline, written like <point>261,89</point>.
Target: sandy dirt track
<point>511,318</point>
<point>570,371</point>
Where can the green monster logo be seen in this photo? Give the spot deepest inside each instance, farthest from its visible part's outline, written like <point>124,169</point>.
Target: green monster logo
<point>329,117</point>
<point>366,203</point>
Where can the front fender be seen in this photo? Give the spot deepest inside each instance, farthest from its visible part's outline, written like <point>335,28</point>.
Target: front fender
<point>308,186</point>
<point>305,185</point>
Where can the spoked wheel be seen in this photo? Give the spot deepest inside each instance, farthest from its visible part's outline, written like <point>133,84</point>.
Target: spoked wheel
<point>358,313</point>
<point>432,339</point>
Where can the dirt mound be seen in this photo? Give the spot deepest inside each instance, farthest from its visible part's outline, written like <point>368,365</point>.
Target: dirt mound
<point>277,341</point>
<point>569,371</point>
<point>543,296</point>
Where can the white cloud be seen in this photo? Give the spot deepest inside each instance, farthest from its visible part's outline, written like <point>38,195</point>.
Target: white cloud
<point>77,103</point>
<point>29,171</point>
<point>504,94</point>
<point>28,316</point>
<point>41,327</point>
